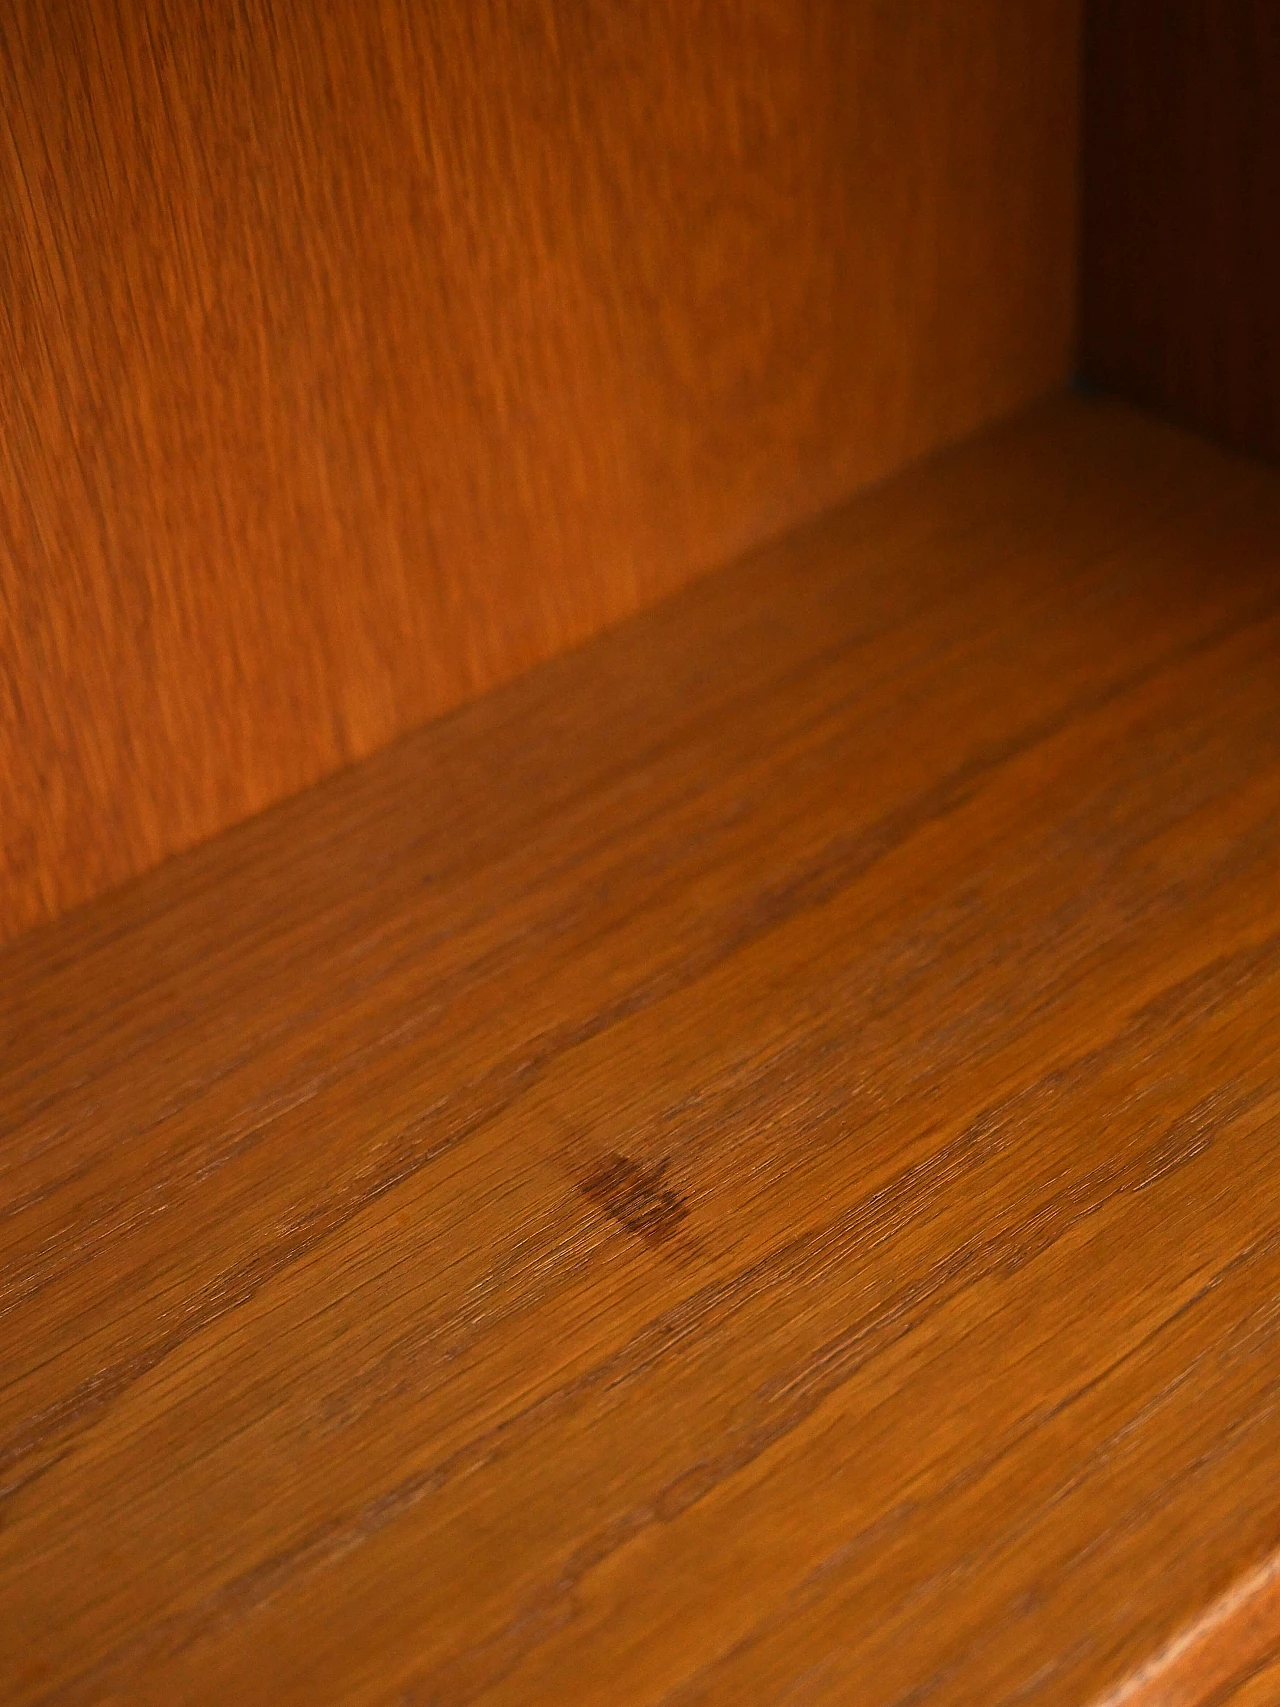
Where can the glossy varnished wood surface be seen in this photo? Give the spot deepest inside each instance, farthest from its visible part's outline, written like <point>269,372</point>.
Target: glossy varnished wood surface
<point>740,1167</point>
<point>356,356</point>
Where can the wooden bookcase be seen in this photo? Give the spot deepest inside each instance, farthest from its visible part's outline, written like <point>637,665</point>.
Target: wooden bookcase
<point>640,853</point>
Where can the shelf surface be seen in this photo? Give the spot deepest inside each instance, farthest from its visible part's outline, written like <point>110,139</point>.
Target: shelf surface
<point>742,1167</point>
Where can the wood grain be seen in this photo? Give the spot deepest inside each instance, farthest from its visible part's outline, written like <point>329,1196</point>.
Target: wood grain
<point>354,357</point>
<point>1261,1688</point>
<point>1229,1656</point>
<point>1181,293</point>
<point>739,1167</point>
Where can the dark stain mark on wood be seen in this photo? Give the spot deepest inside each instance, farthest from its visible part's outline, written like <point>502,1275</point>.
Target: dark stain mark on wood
<point>634,1195</point>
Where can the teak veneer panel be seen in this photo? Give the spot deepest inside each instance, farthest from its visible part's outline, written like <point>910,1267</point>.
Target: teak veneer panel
<point>354,357</point>
<point>739,1167</point>
<point>1181,275</point>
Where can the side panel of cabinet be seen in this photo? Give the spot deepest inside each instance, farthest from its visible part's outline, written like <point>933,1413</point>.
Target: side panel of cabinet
<point>1181,292</point>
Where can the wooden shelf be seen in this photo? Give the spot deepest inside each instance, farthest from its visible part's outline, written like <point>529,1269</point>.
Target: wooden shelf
<point>742,1167</point>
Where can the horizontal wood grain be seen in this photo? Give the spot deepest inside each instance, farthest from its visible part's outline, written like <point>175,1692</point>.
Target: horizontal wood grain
<point>354,357</point>
<point>738,1167</point>
<point>1181,270</point>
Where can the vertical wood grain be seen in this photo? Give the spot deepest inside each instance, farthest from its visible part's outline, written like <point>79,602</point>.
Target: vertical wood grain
<point>354,357</point>
<point>1181,291</point>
